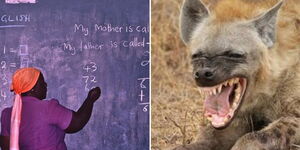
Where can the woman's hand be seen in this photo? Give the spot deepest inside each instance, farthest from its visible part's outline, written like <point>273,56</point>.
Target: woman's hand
<point>83,114</point>
<point>94,94</point>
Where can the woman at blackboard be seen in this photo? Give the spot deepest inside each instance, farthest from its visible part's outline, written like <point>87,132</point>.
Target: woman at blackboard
<point>35,124</point>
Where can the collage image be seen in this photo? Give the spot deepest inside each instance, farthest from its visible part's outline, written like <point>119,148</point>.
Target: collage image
<point>150,75</point>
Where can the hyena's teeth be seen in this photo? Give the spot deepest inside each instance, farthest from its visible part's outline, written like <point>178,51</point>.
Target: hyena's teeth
<point>237,95</point>
<point>203,92</point>
<point>236,80</point>
<point>235,104</point>
<point>214,91</point>
<point>200,91</point>
<point>209,117</point>
<point>220,88</point>
<point>225,120</point>
<point>225,83</point>
<point>211,92</point>
<point>207,93</point>
<point>239,88</point>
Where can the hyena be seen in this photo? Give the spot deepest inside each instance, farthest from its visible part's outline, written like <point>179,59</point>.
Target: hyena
<point>246,60</point>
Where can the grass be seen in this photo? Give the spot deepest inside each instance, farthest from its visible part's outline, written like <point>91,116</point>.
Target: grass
<point>176,104</point>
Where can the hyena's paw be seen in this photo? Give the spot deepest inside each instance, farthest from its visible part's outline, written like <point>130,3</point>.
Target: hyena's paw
<point>247,142</point>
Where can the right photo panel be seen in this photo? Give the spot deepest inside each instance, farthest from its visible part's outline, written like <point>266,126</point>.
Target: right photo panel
<point>225,75</point>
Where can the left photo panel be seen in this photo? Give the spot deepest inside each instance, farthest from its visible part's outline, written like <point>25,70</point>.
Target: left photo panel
<point>74,74</point>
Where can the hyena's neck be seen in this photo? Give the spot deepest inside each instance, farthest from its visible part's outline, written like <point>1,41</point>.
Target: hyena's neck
<point>281,66</point>
<point>279,79</point>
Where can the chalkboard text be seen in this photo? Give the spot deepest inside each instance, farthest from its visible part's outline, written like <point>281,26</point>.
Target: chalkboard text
<point>109,28</point>
<point>15,18</point>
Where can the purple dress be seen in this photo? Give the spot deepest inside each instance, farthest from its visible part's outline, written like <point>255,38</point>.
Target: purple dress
<point>42,124</point>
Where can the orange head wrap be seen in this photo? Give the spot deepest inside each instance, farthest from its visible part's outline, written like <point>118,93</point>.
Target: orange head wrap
<point>23,80</point>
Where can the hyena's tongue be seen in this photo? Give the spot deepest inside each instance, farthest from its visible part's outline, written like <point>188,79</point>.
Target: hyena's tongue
<point>218,106</point>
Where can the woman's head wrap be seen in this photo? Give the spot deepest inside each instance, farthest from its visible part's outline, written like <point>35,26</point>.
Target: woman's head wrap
<point>23,80</point>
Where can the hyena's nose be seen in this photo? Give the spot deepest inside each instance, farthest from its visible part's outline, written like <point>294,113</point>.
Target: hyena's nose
<point>204,75</point>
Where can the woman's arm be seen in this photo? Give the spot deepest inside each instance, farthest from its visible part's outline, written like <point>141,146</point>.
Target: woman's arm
<point>82,116</point>
<point>4,142</point>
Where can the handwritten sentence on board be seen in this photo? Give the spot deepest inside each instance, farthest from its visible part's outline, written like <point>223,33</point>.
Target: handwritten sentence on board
<point>81,46</point>
<point>110,28</point>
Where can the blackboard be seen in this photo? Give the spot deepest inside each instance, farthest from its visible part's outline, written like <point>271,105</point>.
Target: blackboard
<point>79,44</point>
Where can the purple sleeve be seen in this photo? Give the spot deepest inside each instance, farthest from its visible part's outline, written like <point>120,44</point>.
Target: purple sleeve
<point>5,122</point>
<point>59,115</point>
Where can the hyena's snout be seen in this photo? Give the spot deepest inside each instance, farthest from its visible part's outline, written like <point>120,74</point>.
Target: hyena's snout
<point>205,76</point>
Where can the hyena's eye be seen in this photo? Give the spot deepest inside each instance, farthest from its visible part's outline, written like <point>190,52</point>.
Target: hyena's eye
<point>234,55</point>
<point>197,55</point>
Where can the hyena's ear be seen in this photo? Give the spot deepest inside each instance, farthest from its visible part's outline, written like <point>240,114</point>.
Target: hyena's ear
<point>266,25</point>
<point>192,12</point>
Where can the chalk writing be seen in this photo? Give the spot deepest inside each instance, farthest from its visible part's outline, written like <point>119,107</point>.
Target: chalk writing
<point>147,61</point>
<point>109,28</point>
<point>82,29</point>
<point>73,49</point>
<point>135,42</point>
<point>144,82</point>
<point>15,18</point>
<point>142,85</point>
<point>132,43</point>
<point>91,67</point>
<point>12,26</point>
<point>68,47</point>
<point>90,46</point>
<point>4,49</point>
<point>142,29</point>
<point>141,94</point>
<point>89,78</point>
<point>3,94</point>
<point>24,62</point>
<point>145,108</point>
<point>3,64</point>
<point>13,50</point>
<point>4,80</point>
<point>129,29</point>
<point>13,65</point>
<point>23,50</point>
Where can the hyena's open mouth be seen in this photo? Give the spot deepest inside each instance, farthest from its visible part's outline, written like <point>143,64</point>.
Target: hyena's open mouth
<point>223,100</point>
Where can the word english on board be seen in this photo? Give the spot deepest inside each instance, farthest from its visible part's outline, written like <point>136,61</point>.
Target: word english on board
<point>22,18</point>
